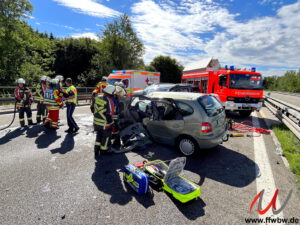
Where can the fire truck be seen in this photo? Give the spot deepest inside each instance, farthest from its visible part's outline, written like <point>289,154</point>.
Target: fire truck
<point>133,80</point>
<point>239,90</point>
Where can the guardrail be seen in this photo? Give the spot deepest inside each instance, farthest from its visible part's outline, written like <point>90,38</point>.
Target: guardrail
<point>7,94</point>
<point>286,93</point>
<point>287,113</point>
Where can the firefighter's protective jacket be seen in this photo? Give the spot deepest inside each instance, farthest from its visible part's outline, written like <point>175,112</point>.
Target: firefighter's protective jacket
<point>103,109</point>
<point>100,86</point>
<point>39,93</point>
<point>23,96</point>
<point>52,99</point>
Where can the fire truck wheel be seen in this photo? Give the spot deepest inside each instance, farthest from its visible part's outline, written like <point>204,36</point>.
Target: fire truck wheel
<point>245,113</point>
<point>187,145</point>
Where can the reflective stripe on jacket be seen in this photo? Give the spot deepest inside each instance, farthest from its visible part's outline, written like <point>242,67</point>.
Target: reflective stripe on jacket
<point>23,96</point>
<point>100,86</point>
<point>72,91</point>
<point>103,109</point>
<point>52,97</point>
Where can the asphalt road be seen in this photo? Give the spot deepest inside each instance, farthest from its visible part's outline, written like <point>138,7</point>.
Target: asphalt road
<point>291,99</point>
<point>52,178</point>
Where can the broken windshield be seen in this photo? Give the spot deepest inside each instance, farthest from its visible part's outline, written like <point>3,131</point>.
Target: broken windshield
<point>246,81</point>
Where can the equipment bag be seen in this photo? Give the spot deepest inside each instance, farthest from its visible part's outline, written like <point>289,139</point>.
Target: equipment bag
<point>137,179</point>
<point>179,187</point>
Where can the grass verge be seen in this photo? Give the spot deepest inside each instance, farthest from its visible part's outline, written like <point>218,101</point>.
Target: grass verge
<point>291,148</point>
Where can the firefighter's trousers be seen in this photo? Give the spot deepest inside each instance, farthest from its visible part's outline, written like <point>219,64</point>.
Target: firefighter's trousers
<point>41,112</point>
<point>52,117</point>
<point>103,140</point>
<point>22,111</point>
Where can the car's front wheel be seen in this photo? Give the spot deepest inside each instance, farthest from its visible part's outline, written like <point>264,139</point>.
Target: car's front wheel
<point>187,146</point>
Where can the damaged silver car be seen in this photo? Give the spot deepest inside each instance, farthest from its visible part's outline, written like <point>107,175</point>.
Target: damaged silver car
<point>190,121</point>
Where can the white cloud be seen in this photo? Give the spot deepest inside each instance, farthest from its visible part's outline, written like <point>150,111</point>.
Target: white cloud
<point>86,35</point>
<point>194,29</point>
<point>89,7</point>
<point>37,23</point>
<point>28,16</point>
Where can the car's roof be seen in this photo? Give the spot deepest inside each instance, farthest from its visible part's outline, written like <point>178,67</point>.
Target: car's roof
<point>176,95</point>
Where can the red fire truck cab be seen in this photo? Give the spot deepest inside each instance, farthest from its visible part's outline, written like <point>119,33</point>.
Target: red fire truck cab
<point>239,90</point>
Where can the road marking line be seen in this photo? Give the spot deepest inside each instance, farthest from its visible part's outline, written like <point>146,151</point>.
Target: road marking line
<point>265,180</point>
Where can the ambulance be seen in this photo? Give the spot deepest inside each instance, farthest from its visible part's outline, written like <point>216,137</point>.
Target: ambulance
<point>133,80</point>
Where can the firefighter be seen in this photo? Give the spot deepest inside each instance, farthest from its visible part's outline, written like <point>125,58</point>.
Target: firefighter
<point>119,94</point>
<point>100,86</point>
<point>53,102</point>
<point>103,108</point>
<point>39,99</point>
<point>71,102</point>
<point>24,101</point>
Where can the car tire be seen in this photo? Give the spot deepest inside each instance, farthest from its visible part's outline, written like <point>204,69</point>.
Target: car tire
<point>245,113</point>
<point>187,146</point>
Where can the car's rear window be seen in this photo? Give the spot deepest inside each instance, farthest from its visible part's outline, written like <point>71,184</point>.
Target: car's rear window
<point>211,105</point>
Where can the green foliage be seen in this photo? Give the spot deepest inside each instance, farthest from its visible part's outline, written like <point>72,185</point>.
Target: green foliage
<point>289,82</point>
<point>73,56</point>
<point>122,44</point>
<point>29,54</point>
<point>12,48</point>
<point>170,69</point>
<point>291,148</point>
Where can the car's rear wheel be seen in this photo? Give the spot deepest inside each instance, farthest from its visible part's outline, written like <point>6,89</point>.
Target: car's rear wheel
<point>187,146</point>
<point>245,113</point>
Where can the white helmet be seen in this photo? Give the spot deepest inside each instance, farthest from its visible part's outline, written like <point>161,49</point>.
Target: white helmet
<point>21,81</point>
<point>110,89</point>
<point>120,91</point>
<point>44,78</point>
<point>121,84</point>
<point>59,77</point>
<point>54,81</point>
<point>116,83</point>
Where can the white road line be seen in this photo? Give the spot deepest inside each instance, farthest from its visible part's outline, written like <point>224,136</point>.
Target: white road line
<point>265,180</point>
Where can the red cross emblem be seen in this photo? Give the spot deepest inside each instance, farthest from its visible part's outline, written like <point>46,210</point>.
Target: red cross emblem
<point>147,80</point>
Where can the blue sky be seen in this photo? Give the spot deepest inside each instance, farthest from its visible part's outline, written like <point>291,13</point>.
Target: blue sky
<point>261,33</point>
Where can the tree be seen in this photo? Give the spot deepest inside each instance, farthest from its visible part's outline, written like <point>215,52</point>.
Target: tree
<point>170,70</point>
<point>12,51</point>
<point>73,56</point>
<point>122,44</point>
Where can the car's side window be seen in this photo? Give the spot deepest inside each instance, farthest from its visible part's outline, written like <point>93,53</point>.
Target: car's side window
<point>165,111</point>
<point>185,109</point>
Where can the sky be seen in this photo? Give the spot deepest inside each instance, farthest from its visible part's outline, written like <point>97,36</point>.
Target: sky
<point>245,33</point>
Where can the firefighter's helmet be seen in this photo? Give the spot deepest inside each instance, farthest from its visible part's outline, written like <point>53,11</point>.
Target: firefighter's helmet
<point>44,78</point>
<point>54,81</point>
<point>21,81</point>
<point>119,91</point>
<point>120,84</point>
<point>109,89</point>
<point>59,77</point>
<point>104,78</point>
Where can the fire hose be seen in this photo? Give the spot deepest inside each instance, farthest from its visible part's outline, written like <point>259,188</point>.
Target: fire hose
<point>13,119</point>
<point>244,127</point>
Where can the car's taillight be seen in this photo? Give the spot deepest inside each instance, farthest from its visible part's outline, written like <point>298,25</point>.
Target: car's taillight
<point>206,127</point>
<point>230,98</point>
